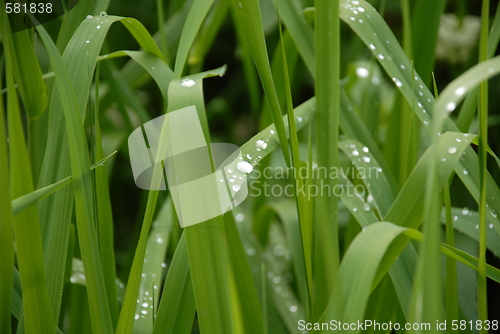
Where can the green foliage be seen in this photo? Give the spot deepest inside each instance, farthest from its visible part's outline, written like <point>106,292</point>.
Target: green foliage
<point>347,221</point>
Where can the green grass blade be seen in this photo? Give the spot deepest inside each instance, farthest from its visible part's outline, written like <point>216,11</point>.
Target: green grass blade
<point>327,92</point>
<point>104,216</point>
<point>21,203</point>
<point>483,169</point>
<point>357,272</point>
<point>407,208</point>
<point>154,258</point>
<point>246,292</point>
<point>36,305</point>
<point>177,308</point>
<point>100,313</point>
<point>249,17</point>
<point>194,20</point>
<point>55,211</point>
<point>466,221</point>
<point>303,206</point>
<point>373,175</point>
<point>302,33</point>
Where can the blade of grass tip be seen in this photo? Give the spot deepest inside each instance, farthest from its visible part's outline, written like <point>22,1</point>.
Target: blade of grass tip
<point>327,91</point>
<point>250,19</point>
<point>304,223</point>
<point>483,154</point>
<point>99,308</point>
<point>247,63</point>
<point>102,204</point>
<point>208,31</point>
<point>194,20</point>
<point>6,237</point>
<point>36,305</point>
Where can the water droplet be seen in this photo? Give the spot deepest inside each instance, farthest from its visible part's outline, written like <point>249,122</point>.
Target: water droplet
<point>381,56</point>
<point>455,218</point>
<point>376,81</point>
<point>261,144</point>
<point>369,198</point>
<point>239,217</point>
<point>362,72</point>
<point>426,122</point>
<point>466,171</point>
<point>250,252</point>
<point>298,119</point>
<point>229,171</point>
<point>361,9</point>
<point>277,279</point>
<point>143,275</point>
<point>144,312</point>
<point>164,265</point>
<point>136,317</point>
<point>366,207</point>
<point>231,180</point>
<point>366,159</point>
<point>397,82</point>
<point>98,27</point>
<point>87,41</point>
<point>451,106</point>
<point>244,167</point>
<point>352,18</point>
<point>355,153</point>
<point>465,211</point>
<point>354,209</point>
<point>460,91</point>
<point>104,14</point>
<point>145,304</point>
<point>490,226</point>
<point>365,149</point>
<point>372,46</point>
<point>494,213</point>
<point>188,83</point>
<point>272,132</point>
<point>477,227</point>
<point>452,150</point>
<point>159,240</point>
<point>236,187</point>
<point>89,17</point>
<point>402,67</point>
<point>293,308</point>
<point>364,228</point>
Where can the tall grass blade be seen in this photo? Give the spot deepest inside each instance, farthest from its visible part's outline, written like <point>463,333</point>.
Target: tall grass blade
<point>37,313</point>
<point>327,92</point>
<point>100,313</point>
